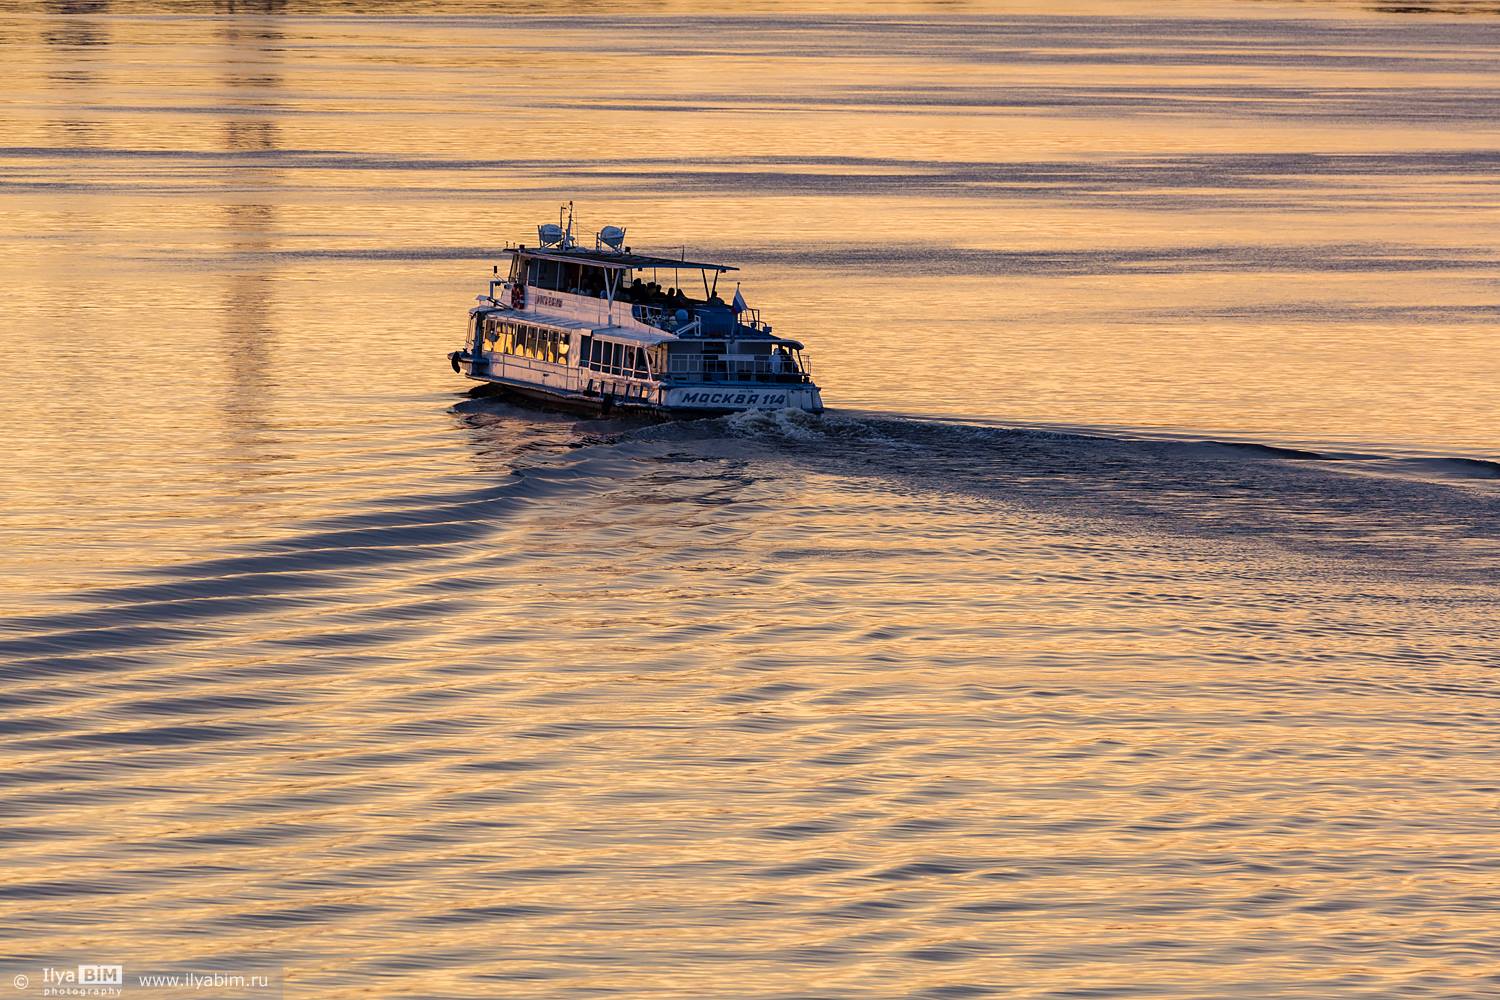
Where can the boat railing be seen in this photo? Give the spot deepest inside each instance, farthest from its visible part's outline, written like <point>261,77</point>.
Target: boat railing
<point>750,318</point>
<point>703,369</point>
<point>559,369</point>
<point>664,319</point>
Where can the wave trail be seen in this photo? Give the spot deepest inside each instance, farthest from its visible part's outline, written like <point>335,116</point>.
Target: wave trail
<point>1411,516</point>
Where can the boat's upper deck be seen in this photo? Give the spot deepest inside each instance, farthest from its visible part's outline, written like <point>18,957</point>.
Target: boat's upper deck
<point>617,260</point>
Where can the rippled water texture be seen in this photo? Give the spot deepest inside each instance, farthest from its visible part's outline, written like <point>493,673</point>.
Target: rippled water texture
<point>1128,628</point>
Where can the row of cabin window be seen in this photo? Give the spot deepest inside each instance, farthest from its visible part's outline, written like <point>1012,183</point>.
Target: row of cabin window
<point>613,359</point>
<point>526,341</point>
<point>564,276</point>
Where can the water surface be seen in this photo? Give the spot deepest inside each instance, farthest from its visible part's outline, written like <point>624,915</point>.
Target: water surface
<point>1127,628</point>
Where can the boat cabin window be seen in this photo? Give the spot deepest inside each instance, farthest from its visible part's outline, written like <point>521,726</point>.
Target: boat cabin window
<point>615,359</point>
<point>565,276</point>
<point>523,340</point>
<point>544,274</point>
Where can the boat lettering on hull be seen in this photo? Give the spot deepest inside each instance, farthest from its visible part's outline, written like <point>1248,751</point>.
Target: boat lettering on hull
<point>757,399</point>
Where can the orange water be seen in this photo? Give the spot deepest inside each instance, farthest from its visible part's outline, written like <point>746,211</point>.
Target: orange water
<point>998,680</point>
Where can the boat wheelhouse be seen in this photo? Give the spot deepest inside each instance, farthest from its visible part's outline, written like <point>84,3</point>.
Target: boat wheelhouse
<point>607,329</point>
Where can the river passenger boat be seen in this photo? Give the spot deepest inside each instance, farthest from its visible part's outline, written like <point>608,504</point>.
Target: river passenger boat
<point>605,329</point>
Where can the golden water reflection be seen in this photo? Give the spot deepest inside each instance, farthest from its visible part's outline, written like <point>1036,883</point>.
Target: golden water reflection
<point>310,658</point>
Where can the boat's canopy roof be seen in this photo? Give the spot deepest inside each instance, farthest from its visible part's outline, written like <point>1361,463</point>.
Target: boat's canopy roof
<point>649,338</point>
<point>616,261</point>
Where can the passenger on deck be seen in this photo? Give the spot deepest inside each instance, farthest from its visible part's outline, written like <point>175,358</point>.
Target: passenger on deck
<point>781,361</point>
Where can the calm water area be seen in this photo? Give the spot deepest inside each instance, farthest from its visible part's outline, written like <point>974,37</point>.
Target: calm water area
<point>1128,626</point>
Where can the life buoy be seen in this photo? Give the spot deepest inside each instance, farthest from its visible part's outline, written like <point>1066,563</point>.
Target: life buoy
<point>518,296</point>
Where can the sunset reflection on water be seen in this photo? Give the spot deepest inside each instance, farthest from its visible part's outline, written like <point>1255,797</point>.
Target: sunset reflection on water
<point>1125,629</point>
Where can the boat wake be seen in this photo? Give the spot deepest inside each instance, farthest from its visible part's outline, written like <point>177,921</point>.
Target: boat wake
<point>1436,519</point>
<point>1426,516</point>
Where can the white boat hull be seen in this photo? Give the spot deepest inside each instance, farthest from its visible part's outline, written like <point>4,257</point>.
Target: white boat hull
<point>662,399</point>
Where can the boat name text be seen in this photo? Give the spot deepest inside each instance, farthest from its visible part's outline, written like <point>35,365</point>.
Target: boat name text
<point>735,398</point>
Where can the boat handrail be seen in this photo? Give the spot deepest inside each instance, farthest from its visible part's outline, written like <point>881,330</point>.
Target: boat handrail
<point>662,319</point>
<point>738,370</point>
<point>753,321</point>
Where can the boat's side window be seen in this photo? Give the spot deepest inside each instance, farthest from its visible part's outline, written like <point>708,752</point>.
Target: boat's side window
<point>544,273</point>
<point>584,343</point>
<point>640,363</point>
